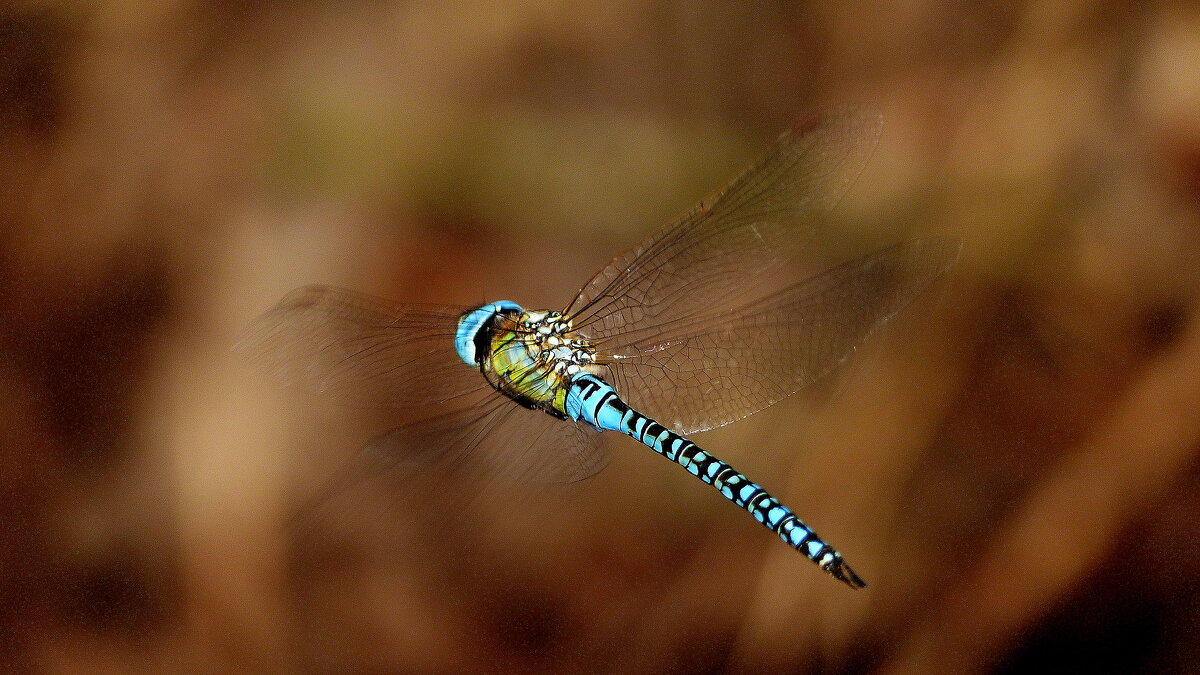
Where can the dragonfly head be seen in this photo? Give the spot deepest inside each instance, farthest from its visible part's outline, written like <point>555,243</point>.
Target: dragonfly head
<point>471,337</point>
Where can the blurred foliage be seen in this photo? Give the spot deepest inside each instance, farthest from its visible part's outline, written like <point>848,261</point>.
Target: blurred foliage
<point>1012,466</point>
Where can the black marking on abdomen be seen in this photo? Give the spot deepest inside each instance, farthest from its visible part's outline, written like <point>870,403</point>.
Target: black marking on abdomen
<point>745,503</point>
<point>758,502</point>
<point>608,396</point>
<point>652,429</point>
<point>617,404</point>
<point>686,454</point>
<point>588,387</point>
<point>724,474</point>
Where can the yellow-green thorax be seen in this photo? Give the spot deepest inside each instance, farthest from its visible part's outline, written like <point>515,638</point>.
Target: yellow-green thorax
<point>532,356</point>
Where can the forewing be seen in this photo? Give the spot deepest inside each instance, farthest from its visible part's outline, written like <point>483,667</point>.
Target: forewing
<point>400,356</point>
<point>719,367</point>
<point>763,217</point>
<point>362,350</point>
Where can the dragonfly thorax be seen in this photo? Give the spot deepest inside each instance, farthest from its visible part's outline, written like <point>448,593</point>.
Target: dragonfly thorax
<point>531,356</point>
<point>549,336</point>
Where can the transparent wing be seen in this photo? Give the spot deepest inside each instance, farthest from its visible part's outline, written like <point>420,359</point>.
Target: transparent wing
<point>492,436</point>
<point>709,370</point>
<point>480,440</point>
<point>361,349</point>
<point>379,354</point>
<point>763,217</point>
<point>432,474</point>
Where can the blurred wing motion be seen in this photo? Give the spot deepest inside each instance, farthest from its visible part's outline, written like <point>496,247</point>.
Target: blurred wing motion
<point>709,259</point>
<point>362,350</point>
<point>707,371</point>
<point>490,436</point>
<point>687,322</point>
<point>378,354</point>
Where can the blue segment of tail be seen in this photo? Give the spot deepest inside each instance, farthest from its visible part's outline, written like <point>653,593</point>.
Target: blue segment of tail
<point>591,400</point>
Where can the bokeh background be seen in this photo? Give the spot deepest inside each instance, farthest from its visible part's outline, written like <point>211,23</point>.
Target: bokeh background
<point>1012,464</point>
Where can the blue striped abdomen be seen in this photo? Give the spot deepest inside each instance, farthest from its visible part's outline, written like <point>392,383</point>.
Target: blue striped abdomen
<point>591,400</point>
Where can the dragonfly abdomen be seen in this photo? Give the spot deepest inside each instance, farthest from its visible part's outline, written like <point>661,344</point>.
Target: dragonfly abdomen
<point>593,401</point>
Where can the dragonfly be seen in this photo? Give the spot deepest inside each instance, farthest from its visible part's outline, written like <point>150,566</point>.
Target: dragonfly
<point>698,326</point>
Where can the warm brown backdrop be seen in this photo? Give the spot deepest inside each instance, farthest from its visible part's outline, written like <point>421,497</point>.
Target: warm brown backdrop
<point>1012,465</point>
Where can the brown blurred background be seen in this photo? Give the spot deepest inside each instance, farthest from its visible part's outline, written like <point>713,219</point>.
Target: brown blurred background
<point>1012,465</point>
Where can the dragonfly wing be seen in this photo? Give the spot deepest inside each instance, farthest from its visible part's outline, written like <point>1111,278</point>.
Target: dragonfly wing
<point>361,349</point>
<point>401,356</point>
<point>491,436</point>
<point>433,473</point>
<point>764,217</point>
<point>722,366</point>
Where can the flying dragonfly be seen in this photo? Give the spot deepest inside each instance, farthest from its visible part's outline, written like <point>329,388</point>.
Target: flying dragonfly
<point>696,327</point>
